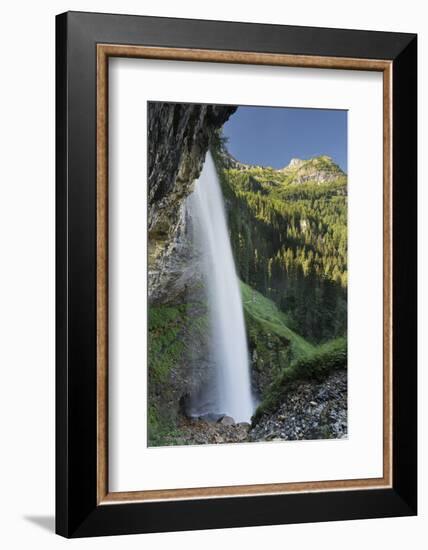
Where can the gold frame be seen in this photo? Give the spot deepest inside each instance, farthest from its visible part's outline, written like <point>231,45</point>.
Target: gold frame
<point>104,51</point>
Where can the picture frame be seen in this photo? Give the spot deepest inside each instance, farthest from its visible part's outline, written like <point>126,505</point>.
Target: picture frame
<point>84,44</point>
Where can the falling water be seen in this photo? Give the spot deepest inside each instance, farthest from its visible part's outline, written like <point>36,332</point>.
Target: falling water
<point>229,348</point>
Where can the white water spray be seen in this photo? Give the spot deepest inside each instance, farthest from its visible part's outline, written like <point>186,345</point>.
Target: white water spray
<point>229,341</point>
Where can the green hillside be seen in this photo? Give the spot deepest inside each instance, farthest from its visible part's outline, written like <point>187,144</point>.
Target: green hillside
<point>261,310</point>
<point>321,362</point>
<point>288,232</point>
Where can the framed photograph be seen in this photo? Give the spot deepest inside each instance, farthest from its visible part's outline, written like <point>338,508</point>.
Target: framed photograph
<point>236,274</point>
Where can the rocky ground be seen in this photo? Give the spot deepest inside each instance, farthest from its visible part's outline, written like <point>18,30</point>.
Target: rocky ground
<point>310,411</point>
<point>197,432</point>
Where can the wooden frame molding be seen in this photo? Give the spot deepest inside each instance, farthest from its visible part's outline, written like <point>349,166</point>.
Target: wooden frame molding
<point>104,51</point>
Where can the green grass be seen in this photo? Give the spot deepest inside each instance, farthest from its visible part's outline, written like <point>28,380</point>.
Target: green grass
<point>162,430</point>
<point>168,349</point>
<point>317,366</point>
<point>271,319</point>
<point>165,348</point>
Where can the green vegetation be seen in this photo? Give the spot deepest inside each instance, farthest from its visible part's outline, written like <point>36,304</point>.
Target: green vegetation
<point>173,332</point>
<point>290,239</point>
<point>161,429</point>
<point>165,348</point>
<point>316,366</point>
<point>266,314</point>
<point>272,343</point>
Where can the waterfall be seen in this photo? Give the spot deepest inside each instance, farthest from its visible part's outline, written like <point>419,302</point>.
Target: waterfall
<point>229,349</point>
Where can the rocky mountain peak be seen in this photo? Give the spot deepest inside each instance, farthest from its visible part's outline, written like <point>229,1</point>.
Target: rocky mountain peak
<point>295,163</point>
<point>321,169</point>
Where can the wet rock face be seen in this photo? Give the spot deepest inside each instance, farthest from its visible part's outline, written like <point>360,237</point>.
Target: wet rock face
<point>179,136</point>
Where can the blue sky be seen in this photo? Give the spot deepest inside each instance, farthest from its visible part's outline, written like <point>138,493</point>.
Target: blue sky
<point>272,136</point>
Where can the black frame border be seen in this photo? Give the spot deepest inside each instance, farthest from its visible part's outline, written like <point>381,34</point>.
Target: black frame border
<point>77,513</point>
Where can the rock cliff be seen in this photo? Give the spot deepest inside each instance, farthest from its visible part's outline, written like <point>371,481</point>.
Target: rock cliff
<point>179,136</point>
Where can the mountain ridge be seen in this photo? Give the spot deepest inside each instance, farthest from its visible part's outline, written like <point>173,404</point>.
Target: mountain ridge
<point>318,169</point>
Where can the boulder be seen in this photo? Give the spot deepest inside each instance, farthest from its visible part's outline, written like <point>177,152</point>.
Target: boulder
<point>226,421</point>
